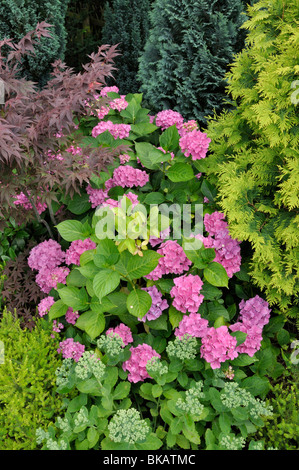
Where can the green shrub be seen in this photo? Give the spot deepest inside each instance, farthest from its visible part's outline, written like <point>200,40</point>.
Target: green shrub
<point>18,18</point>
<point>126,24</point>
<point>189,47</point>
<point>27,379</point>
<point>254,151</point>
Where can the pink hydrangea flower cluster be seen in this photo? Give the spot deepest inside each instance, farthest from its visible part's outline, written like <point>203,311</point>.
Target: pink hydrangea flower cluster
<point>45,305</point>
<point>123,331</point>
<point>71,316</point>
<point>192,325</point>
<point>120,131</point>
<point>186,293</point>
<point>46,254</point>
<point>218,346</point>
<point>113,203</point>
<point>253,340</point>
<point>96,196</point>
<point>254,311</point>
<point>136,364</point>
<point>254,315</point>
<point>188,126</point>
<point>173,260</point>
<point>195,144</point>
<point>71,349</point>
<point>22,200</point>
<point>124,158</point>
<point>48,279</point>
<point>163,234</point>
<point>167,118</point>
<point>228,252</point>
<point>76,248</point>
<point>108,89</point>
<point>127,176</point>
<point>158,304</point>
<point>57,327</point>
<point>119,103</point>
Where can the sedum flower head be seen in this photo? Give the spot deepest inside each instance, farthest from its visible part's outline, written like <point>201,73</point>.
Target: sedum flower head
<point>112,344</point>
<point>155,367</point>
<point>89,364</point>
<point>127,426</point>
<point>63,372</point>
<point>234,396</point>
<point>191,404</point>
<point>182,348</point>
<point>232,442</point>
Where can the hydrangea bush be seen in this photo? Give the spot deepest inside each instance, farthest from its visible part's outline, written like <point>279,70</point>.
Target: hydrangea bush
<point>160,331</point>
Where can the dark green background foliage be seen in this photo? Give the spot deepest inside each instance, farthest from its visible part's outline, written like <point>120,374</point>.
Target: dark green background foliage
<point>126,24</point>
<point>84,22</point>
<point>187,54</point>
<point>19,17</point>
<point>27,382</point>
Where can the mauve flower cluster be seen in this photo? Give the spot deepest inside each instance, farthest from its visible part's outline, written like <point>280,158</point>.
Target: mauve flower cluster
<point>195,144</point>
<point>158,304</point>
<point>46,254</point>
<point>254,315</point>
<point>48,279</point>
<point>127,176</point>
<point>119,103</point>
<point>71,316</point>
<point>76,248</point>
<point>96,196</point>
<point>173,260</point>
<point>227,249</point>
<point>120,131</point>
<point>136,364</point>
<point>45,305</point>
<point>22,200</point>
<point>167,118</point>
<point>113,203</point>
<point>109,89</point>
<point>71,349</point>
<point>123,331</point>
<point>218,346</point>
<point>192,325</point>
<point>163,235</point>
<point>188,126</point>
<point>186,293</point>
<point>124,158</point>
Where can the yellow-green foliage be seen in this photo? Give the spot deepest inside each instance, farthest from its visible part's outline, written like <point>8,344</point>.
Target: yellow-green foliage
<point>27,382</point>
<point>254,158</point>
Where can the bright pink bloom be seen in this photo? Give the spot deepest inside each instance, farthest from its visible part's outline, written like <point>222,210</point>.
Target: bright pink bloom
<point>218,346</point>
<point>167,118</point>
<point>45,305</point>
<point>47,254</point>
<point>108,89</point>
<point>119,103</point>
<point>71,349</point>
<point>136,365</point>
<point>192,325</point>
<point>102,112</point>
<point>71,316</point>
<point>195,144</point>
<point>77,247</point>
<point>96,196</point>
<point>120,131</point>
<point>48,279</point>
<point>123,331</point>
<point>188,127</point>
<point>254,312</point>
<point>57,326</point>
<point>158,304</point>
<point>186,293</point>
<point>253,340</point>
<point>127,176</point>
<point>124,158</point>
<point>173,260</point>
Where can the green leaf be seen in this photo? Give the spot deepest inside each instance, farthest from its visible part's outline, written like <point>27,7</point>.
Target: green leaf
<point>152,442</point>
<point>138,303</point>
<point>180,172</point>
<point>75,278</point>
<point>143,128</point>
<point>243,360</point>
<point>159,324</point>
<point>71,230</point>
<point>105,282</point>
<point>216,275</point>
<point>57,310</point>
<point>208,190</point>
<point>79,204</point>
<point>256,385</point>
<point>93,323</point>
<point>169,139</point>
<point>93,436</point>
<point>225,423</point>
<point>77,403</point>
<point>157,390</point>
<point>89,270</point>
<point>150,156</point>
<point>154,198</point>
<point>121,391</point>
<point>240,336</point>
<point>134,266</point>
<point>174,316</point>
<point>74,297</point>
<point>90,386</point>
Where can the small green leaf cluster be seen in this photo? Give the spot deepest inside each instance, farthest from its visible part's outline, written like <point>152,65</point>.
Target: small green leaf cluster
<point>27,382</point>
